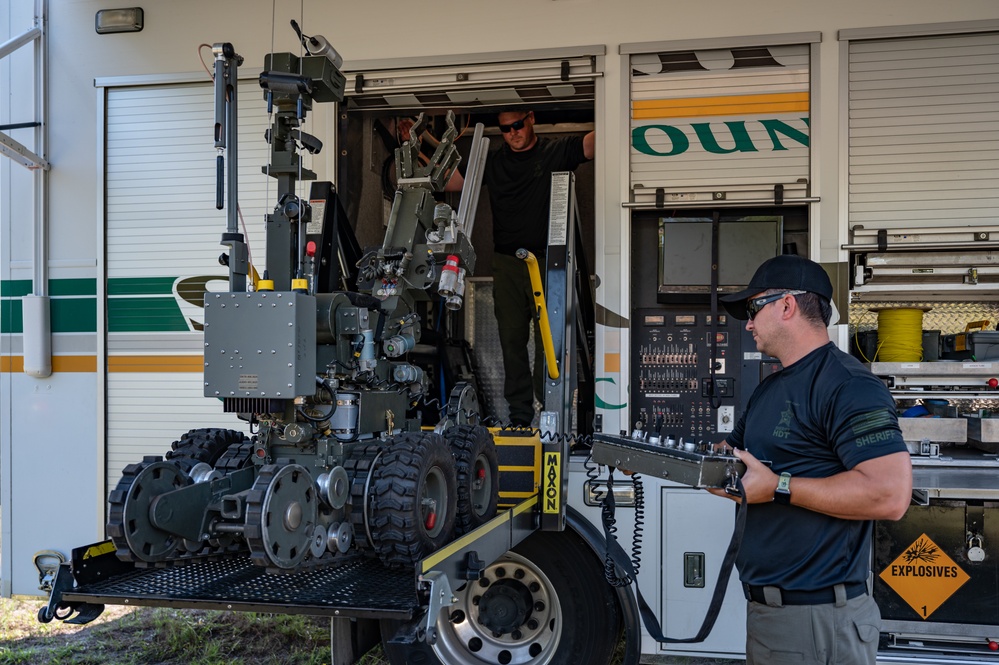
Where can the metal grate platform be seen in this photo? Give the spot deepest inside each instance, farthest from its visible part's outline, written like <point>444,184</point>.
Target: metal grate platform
<point>362,588</point>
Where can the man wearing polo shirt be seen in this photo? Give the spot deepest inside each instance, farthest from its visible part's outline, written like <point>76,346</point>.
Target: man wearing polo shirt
<point>828,429</point>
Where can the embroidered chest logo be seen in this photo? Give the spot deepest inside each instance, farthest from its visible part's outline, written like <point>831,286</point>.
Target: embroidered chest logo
<point>783,429</point>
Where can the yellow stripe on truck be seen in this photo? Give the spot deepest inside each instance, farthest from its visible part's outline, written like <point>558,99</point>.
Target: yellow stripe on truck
<point>738,105</point>
<point>15,364</point>
<point>156,363</point>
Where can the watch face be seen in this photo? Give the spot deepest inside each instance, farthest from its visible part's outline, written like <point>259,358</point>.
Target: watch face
<point>782,494</point>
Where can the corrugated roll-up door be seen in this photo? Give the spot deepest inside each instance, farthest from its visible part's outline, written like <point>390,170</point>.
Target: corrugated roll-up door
<point>924,131</point>
<point>720,125</point>
<point>162,238</point>
<point>549,77</point>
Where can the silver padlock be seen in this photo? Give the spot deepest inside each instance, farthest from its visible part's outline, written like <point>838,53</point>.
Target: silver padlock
<point>975,551</point>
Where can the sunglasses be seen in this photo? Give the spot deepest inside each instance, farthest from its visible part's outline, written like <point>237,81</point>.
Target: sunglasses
<point>754,306</point>
<point>518,125</point>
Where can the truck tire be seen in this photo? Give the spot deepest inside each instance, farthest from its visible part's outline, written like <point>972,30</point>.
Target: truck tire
<point>545,602</point>
<point>477,467</point>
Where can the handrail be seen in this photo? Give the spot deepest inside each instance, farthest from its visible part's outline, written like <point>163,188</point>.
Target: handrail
<point>539,302</point>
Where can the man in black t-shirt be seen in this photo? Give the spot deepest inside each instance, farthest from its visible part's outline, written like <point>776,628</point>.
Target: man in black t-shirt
<point>828,428</point>
<point>518,176</point>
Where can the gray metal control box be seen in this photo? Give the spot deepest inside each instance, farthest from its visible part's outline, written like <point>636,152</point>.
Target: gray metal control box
<point>260,345</point>
<point>690,468</point>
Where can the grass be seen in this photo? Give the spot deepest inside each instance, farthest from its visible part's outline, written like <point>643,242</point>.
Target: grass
<point>159,636</point>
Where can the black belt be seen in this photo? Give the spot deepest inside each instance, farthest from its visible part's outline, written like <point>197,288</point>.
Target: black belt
<point>817,597</point>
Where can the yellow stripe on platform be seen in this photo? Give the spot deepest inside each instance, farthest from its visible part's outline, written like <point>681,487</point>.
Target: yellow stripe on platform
<point>468,539</point>
<point>156,363</point>
<point>696,107</point>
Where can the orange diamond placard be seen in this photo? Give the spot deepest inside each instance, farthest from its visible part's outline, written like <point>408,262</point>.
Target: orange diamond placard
<point>924,576</point>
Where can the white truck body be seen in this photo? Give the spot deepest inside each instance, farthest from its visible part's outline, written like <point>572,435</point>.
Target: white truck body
<point>121,244</point>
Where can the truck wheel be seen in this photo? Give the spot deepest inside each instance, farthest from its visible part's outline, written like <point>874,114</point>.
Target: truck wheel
<point>477,473</point>
<point>545,602</point>
<point>412,499</point>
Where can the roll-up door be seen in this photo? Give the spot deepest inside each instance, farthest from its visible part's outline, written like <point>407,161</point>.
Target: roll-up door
<point>550,77</point>
<point>162,242</point>
<point>924,131</point>
<point>719,125</point>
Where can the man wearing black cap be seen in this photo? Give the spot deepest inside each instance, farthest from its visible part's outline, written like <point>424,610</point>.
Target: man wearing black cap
<point>828,429</point>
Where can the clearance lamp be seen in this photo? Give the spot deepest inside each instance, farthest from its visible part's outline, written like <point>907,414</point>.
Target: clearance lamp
<point>118,20</point>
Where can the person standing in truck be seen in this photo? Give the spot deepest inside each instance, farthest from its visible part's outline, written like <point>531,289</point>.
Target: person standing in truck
<point>828,429</point>
<point>518,176</point>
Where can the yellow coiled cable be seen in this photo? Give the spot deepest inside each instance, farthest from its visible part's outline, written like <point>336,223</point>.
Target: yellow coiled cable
<point>900,334</point>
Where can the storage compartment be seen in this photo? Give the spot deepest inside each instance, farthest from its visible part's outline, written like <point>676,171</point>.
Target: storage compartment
<point>928,576</point>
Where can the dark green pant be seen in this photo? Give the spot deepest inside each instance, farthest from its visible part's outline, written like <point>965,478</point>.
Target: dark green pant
<point>513,304</point>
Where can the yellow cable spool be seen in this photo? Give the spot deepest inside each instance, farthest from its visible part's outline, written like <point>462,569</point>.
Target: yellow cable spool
<point>900,334</point>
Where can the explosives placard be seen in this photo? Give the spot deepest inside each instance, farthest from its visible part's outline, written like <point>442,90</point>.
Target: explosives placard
<point>924,576</point>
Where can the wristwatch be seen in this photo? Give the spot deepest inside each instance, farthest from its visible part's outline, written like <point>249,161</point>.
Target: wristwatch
<point>782,494</point>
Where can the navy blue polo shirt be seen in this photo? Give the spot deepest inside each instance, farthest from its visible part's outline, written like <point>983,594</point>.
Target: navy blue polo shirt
<point>822,415</point>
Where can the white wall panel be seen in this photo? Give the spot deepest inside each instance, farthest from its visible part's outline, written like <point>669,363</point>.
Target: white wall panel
<point>53,484</point>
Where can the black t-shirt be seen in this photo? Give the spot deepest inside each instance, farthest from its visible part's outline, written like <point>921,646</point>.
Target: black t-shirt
<point>520,190</point>
<point>821,416</point>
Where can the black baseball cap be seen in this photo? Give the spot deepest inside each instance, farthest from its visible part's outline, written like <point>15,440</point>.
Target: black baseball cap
<point>787,271</point>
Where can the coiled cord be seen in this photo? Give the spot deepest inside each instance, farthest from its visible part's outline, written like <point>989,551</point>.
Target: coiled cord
<point>607,517</point>
<point>612,572</point>
<point>636,538</point>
